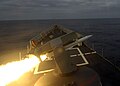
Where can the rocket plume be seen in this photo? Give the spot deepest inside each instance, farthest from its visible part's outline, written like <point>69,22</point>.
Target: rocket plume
<point>14,70</point>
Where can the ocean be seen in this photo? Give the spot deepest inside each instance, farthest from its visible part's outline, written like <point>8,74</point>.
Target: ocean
<point>15,35</point>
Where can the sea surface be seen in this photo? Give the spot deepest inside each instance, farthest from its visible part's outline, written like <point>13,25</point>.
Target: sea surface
<point>15,35</point>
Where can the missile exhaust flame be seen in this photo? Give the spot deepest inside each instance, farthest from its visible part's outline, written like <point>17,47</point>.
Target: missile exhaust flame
<point>43,57</point>
<point>14,70</point>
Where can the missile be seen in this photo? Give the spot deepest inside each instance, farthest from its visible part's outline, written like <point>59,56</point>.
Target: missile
<point>78,41</point>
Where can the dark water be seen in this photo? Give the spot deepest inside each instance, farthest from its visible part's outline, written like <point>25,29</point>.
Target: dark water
<point>14,35</point>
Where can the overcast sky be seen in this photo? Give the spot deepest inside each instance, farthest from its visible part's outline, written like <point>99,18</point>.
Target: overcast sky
<point>58,9</point>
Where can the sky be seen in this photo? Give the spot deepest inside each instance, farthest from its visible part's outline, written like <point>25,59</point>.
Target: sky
<point>58,9</point>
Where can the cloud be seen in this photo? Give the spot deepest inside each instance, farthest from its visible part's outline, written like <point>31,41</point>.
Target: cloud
<point>22,9</point>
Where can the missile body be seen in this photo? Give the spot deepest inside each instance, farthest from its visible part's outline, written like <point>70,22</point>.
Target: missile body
<point>77,42</point>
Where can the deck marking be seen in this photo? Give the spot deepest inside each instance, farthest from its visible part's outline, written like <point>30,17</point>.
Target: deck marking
<point>73,55</point>
<point>90,53</point>
<point>86,62</point>
<point>80,54</point>
<point>38,72</point>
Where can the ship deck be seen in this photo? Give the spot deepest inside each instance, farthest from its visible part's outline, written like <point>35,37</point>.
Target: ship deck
<point>84,56</point>
<point>108,72</point>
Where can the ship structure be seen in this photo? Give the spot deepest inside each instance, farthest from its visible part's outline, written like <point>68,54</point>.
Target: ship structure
<point>66,60</point>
